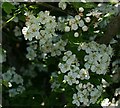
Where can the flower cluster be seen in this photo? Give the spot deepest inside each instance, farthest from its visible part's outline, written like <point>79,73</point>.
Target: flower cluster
<point>58,47</point>
<point>34,25</point>
<point>98,56</point>
<point>12,78</point>
<point>82,75</point>
<point>108,8</point>
<point>70,66</point>
<point>86,94</point>
<point>103,12</point>
<point>15,91</point>
<point>97,60</point>
<point>42,28</point>
<point>73,23</point>
<point>106,103</point>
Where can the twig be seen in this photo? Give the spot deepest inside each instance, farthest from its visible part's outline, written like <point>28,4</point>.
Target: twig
<point>5,23</point>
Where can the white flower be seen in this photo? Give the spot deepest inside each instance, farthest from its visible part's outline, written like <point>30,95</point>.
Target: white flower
<point>81,9</point>
<point>77,17</point>
<point>86,101</point>
<point>64,67</point>
<point>84,74</point>
<point>96,14</point>
<point>76,34</point>
<point>79,87</point>
<point>7,76</point>
<point>82,97</point>
<point>84,28</point>
<point>95,94</point>
<point>12,92</point>
<point>110,51</point>
<point>9,84</point>
<point>58,52</point>
<point>101,69</point>
<point>85,91</point>
<point>93,68</point>
<point>70,60</point>
<point>62,5</point>
<point>76,99</point>
<point>17,79</point>
<point>87,65</point>
<point>70,78</point>
<point>89,86</point>
<point>105,57</point>
<point>67,29</point>
<point>74,26</point>
<point>87,19</point>
<point>58,47</point>
<point>20,89</point>
<point>55,85</point>
<point>31,53</point>
<point>74,68</point>
<point>86,58</point>
<point>68,53</point>
<point>83,46</point>
<point>43,18</point>
<point>88,50</point>
<point>105,102</point>
<point>47,47</point>
<point>84,1</point>
<point>51,24</point>
<point>54,51</point>
<point>88,14</point>
<point>29,36</point>
<point>117,92</point>
<point>65,58</point>
<point>81,23</point>
<point>72,21</point>
<point>24,30</point>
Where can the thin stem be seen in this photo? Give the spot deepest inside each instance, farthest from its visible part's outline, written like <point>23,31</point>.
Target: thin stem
<point>15,14</point>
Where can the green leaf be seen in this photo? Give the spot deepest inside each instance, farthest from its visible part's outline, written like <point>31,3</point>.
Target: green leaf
<point>5,83</point>
<point>76,5</point>
<point>90,5</point>
<point>22,18</point>
<point>95,80</point>
<point>7,7</point>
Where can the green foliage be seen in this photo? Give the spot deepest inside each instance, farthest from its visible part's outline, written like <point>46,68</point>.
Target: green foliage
<point>8,7</point>
<point>88,5</point>
<point>5,83</point>
<point>37,81</point>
